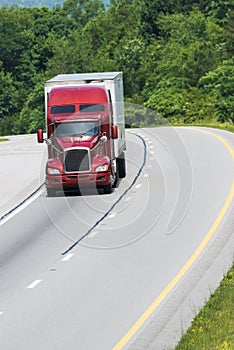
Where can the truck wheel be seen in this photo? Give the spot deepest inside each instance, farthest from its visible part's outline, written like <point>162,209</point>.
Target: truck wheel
<point>51,192</point>
<point>107,189</point>
<point>121,165</point>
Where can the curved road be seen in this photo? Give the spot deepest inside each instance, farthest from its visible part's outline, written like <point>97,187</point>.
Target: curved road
<point>126,270</point>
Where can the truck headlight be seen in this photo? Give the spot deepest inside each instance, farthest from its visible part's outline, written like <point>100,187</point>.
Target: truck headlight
<point>53,171</point>
<point>103,167</point>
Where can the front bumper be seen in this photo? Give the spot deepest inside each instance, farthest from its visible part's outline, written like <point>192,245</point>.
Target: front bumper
<point>74,180</point>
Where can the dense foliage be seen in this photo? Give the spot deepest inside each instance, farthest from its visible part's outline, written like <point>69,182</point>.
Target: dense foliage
<point>177,57</point>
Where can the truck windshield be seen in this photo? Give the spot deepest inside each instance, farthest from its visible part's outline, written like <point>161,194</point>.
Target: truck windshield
<point>77,129</point>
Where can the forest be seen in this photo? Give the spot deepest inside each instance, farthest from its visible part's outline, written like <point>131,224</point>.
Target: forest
<point>177,58</point>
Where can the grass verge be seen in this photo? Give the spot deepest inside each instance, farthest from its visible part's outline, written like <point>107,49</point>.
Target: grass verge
<point>2,139</point>
<point>213,327</point>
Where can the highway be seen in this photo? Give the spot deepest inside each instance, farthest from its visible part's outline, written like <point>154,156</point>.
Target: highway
<point>126,270</point>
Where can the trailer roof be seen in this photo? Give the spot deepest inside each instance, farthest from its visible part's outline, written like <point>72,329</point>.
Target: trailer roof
<point>85,77</point>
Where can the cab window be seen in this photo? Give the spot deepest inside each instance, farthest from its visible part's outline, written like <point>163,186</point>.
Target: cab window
<point>63,109</point>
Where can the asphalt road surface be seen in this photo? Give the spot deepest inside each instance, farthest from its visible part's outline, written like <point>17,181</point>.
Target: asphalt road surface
<point>126,270</point>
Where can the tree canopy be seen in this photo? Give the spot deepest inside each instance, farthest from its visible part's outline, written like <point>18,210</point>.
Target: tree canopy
<point>177,57</point>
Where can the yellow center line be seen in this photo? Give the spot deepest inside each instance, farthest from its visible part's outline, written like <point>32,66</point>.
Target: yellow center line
<point>132,331</point>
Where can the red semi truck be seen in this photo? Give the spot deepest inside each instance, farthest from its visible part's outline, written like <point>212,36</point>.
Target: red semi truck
<point>85,131</point>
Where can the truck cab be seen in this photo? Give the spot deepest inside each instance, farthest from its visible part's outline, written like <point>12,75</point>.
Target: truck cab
<point>83,135</point>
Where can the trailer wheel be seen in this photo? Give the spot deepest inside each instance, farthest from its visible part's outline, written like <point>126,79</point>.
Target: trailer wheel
<point>51,192</point>
<point>107,189</point>
<point>122,165</point>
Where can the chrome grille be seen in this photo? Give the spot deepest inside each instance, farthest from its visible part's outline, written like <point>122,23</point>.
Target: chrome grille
<point>77,160</point>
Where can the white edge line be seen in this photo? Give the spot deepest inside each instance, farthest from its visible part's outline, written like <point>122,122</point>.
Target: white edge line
<point>21,207</point>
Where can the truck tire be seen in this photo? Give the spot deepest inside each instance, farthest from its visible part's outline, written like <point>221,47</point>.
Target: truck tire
<point>121,165</point>
<point>107,189</point>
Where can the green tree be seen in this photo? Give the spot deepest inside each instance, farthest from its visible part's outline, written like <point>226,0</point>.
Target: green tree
<point>150,10</point>
<point>47,24</point>
<point>16,54</point>
<point>106,30</point>
<point>8,103</point>
<point>83,10</point>
<point>116,44</point>
<point>219,83</point>
<point>129,58</point>
<point>230,31</point>
<point>8,95</point>
<point>56,20</point>
<point>182,105</point>
<point>69,55</point>
<point>190,46</point>
<point>32,116</point>
<point>219,10</point>
<point>15,38</point>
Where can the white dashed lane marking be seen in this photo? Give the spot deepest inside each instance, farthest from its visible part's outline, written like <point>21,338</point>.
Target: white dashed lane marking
<point>138,186</point>
<point>67,257</point>
<point>34,284</point>
<point>92,234</point>
<point>128,199</point>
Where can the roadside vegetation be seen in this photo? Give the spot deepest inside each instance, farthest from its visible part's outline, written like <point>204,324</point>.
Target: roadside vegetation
<point>213,327</point>
<point>2,139</point>
<point>177,57</point>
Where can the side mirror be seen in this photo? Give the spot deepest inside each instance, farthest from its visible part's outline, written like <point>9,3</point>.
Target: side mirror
<point>40,136</point>
<point>114,130</point>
